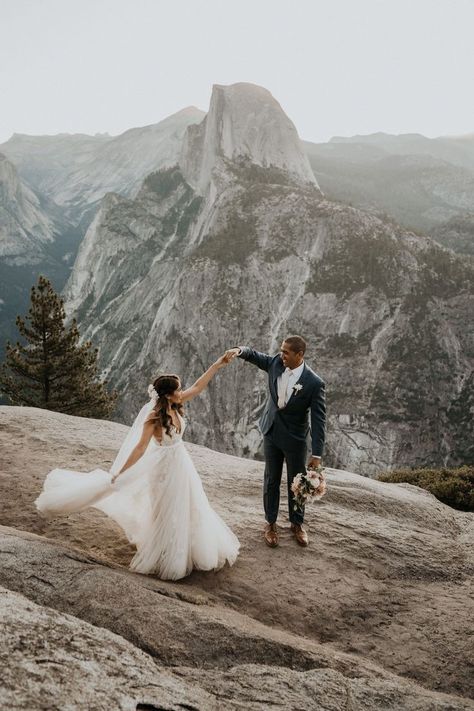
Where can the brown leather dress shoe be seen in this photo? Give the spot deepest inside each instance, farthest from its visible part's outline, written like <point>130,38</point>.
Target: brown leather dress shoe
<point>300,534</point>
<point>270,535</point>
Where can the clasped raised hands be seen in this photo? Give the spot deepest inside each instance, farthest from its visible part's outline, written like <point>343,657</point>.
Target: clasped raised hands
<point>232,353</point>
<point>227,357</point>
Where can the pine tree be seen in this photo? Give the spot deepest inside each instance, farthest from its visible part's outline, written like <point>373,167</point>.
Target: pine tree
<point>51,369</point>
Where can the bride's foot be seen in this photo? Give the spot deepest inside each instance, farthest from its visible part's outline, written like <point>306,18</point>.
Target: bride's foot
<point>270,535</point>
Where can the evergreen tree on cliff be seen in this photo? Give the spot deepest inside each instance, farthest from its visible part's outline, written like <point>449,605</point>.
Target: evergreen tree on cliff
<point>51,369</point>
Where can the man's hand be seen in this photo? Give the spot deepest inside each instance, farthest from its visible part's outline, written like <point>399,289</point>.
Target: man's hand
<point>314,462</point>
<point>232,353</point>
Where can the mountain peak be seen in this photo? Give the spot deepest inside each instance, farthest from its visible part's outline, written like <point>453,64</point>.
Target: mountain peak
<point>190,111</point>
<point>244,120</point>
<point>188,115</point>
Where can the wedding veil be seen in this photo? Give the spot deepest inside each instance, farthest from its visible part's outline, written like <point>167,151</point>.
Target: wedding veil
<point>132,438</point>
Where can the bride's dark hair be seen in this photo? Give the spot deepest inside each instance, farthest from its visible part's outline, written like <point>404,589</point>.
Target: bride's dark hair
<point>166,385</point>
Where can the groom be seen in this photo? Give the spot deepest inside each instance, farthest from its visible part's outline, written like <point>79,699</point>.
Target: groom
<point>296,395</point>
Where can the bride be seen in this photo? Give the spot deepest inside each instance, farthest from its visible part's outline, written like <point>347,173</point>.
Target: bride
<point>153,490</point>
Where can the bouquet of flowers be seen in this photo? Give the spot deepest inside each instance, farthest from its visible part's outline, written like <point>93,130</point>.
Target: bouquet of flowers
<point>309,487</point>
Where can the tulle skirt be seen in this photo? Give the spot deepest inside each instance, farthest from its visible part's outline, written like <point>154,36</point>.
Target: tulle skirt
<point>160,504</point>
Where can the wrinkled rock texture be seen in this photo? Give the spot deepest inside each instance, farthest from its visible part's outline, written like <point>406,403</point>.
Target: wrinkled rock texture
<point>52,660</point>
<point>375,614</point>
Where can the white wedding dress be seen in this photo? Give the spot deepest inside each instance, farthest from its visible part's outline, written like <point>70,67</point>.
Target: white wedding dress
<point>159,502</point>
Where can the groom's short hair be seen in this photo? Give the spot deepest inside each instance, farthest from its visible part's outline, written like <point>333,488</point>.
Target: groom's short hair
<point>296,343</point>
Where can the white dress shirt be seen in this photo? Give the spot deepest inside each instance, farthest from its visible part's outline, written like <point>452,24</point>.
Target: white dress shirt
<point>295,375</point>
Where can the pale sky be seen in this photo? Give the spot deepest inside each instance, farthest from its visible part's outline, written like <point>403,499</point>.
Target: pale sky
<point>337,67</point>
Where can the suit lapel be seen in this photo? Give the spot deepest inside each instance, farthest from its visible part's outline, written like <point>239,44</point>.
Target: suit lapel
<point>279,368</point>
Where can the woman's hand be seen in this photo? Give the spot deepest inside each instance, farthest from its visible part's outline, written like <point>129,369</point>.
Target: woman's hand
<point>206,377</point>
<point>225,359</point>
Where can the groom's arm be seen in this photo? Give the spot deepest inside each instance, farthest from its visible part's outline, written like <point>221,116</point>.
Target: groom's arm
<point>318,420</point>
<point>261,360</point>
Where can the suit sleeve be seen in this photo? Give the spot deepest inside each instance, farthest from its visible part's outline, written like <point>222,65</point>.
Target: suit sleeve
<point>261,360</point>
<point>318,420</point>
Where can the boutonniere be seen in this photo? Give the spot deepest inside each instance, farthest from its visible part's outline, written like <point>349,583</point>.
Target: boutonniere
<point>297,388</point>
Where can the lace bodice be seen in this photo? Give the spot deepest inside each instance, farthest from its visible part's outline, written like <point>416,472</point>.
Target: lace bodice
<point>170,439</point>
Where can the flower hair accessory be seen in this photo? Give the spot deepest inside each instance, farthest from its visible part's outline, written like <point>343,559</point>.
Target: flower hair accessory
<point>153,394</point>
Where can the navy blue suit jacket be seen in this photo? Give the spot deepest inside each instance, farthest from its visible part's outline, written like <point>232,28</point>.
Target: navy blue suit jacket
<point>305,409</point>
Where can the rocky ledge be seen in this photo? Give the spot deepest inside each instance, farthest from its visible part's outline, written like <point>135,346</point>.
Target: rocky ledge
<point>375,614</point>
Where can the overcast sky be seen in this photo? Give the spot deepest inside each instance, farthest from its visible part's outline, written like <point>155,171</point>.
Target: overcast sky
<point>337,67</point>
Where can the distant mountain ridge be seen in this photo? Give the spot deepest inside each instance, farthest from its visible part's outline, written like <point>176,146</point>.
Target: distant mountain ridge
<point>168,279</point>
<point>458,150</point>
<point>76,171</point>
<point>422,183</point>
<point>233,240</point>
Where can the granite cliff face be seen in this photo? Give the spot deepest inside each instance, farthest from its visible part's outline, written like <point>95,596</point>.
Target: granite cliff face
<point>35,238</point>
<point>42,226</point>
<point>215,253</point>
<point>25,227</point>
<point>244,122</point>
